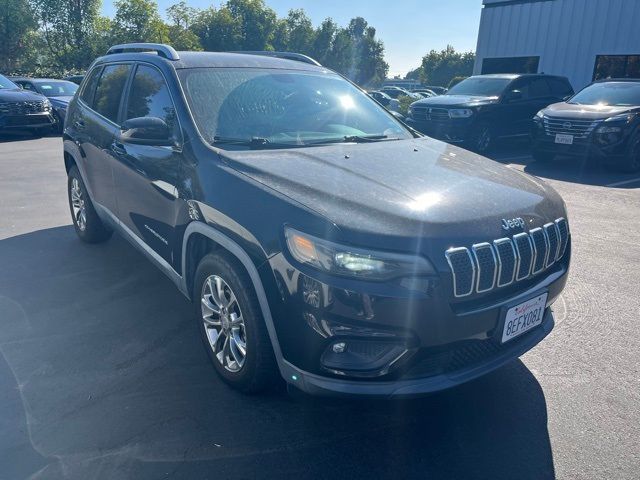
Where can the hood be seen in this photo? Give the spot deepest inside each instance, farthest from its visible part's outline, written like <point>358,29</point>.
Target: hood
<point>586,112</point>
<point>62,101</point>
<point>403,188</point>
<point>456,100</point>
<point>17,95</point>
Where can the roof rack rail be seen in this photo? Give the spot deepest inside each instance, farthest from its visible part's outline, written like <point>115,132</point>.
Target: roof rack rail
<point>161,49</point>
<point>299,57</point>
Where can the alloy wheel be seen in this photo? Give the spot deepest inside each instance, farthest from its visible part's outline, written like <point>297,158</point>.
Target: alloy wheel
<point>223,323</point>
<point>77,203</point>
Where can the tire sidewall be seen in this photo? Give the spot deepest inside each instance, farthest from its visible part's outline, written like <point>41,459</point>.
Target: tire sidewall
<point>215,264</point>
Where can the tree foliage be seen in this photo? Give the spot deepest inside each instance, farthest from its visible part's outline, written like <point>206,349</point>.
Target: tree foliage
<point>439,68</point>
<point>61,36</point>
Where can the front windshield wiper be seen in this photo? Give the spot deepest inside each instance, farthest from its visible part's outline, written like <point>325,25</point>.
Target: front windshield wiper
<point>253,142</point>
<point>352,139</point>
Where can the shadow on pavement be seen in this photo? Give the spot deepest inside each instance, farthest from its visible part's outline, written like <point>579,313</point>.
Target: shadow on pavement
<point>563,168</point>
<point>102,375</point>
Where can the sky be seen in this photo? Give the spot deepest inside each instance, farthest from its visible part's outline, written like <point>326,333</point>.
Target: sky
<point>408,28</point>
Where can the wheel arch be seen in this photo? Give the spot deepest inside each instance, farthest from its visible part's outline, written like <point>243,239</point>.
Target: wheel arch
<point>199,240</point>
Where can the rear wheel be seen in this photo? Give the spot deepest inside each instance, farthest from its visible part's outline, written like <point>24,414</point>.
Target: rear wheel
<point>231,324</point>
<point>88,225</point>
<point>542,157</point>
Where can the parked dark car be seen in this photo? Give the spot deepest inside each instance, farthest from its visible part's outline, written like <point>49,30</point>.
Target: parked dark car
<point>385,100</point>
<point>59,93</point>
<point>319,238</point>
<point>436,89</point>
<point>602,121</point>
<point>396,92</point>
<point>77,79</point>
<point>425,92</point>
<point>480,110</point>
<point>23,110</point>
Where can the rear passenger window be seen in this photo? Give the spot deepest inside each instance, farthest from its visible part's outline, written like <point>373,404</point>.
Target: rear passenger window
<point>539,88</point>
<point>560,88</point>
<point>149,96</point>
<point>90,86</point>
<point>106,100</point>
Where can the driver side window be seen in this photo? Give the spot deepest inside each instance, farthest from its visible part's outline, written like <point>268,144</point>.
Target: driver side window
<point>149,97</point>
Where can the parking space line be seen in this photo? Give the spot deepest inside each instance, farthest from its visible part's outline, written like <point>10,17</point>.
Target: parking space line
<point>624,182</point>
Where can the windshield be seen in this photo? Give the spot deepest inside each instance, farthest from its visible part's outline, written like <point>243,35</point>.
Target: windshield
<point>283,108</point>
<point>6,83</point>
<point>610,93</point>
<point>480,87</point>
<point>57,88</point>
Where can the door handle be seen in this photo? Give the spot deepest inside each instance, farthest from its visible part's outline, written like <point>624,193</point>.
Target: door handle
<point>118,149</point>
<point>79,124</point>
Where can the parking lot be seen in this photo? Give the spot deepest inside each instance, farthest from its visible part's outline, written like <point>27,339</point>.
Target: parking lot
<point>102,372</point>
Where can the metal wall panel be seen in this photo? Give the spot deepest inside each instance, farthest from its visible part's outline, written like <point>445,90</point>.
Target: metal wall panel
<point>566,34</point>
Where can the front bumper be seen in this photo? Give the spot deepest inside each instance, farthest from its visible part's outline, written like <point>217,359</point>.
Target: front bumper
<point>36,120</point>
<point>446,341</point>
<point>593,146</point>
<point>324,386</point>
<point>455,130</point>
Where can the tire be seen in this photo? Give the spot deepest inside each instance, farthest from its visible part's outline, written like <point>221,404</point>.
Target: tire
<point>482,140</point>
<point>88,226</point>
<point>631,162</point>
<point>59,125</point>
<point>232,324</point>
<point>542,157</point>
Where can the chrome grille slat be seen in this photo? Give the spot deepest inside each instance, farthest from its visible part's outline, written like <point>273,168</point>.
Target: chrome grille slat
<point>430,113</point>
<point>21,108</point>
<point>568,126</point>
<point>489,265</point>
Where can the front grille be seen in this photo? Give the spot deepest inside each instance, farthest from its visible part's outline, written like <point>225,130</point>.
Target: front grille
<point>22,108</point>
<point>500,263</point>
<point>568,126</point>
<point>429,113</point>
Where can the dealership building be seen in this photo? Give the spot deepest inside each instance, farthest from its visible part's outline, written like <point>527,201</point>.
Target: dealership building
<point>583,40</point>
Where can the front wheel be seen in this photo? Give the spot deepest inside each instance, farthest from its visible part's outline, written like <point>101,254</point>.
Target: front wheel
<point>231,324</point>
<point>88,225</point>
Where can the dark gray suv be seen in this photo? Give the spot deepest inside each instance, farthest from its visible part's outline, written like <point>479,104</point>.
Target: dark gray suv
<point>320,240</point>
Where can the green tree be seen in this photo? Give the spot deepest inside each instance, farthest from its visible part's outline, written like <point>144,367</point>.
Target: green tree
<point>138,21</point>
<point>256,23</point>
<point>217,30</point>
<point>17,23</point>
<point>182,17</point>
<point>323,40</point>
<point>438,68</point>
<point>300,31</point>
<point>68,27</point>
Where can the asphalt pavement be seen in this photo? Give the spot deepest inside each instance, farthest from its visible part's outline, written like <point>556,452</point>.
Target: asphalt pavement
<point>103,375</point>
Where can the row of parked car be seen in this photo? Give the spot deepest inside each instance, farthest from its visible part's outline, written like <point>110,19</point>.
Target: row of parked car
<point>38,105</point>
<point>601,121</point>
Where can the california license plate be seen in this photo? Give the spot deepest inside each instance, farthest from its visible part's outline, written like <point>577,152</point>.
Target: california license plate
<point>564,139</point>
<point>524,317</point>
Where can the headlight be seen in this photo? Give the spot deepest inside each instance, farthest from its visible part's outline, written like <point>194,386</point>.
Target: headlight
<point>353,262</point>
<point>460,113</point>
<point>47,105</point>
<point>540,114</point>
<point>616,123</point>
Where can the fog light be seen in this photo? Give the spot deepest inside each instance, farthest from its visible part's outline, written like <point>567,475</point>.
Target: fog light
<point>339,347</point>
<point>362,358</point>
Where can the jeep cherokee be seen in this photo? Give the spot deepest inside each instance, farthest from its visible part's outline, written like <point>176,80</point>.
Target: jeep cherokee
<point>318,237</point>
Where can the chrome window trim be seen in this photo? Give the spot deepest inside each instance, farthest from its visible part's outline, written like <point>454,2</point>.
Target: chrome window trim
<point>475,248</point>
<point>448,254</point>
<point>516,261</point>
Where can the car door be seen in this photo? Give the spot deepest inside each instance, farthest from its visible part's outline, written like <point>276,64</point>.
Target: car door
<point>524,98</point>
<point>146,174</point>
<point>94,126</point>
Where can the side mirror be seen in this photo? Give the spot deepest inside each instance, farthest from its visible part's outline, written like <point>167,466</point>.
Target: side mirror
<point>146,131</point>
<point>513,96</point>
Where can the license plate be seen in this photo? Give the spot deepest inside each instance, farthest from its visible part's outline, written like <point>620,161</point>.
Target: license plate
<point>524,317</point>
<point>564,139</point>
